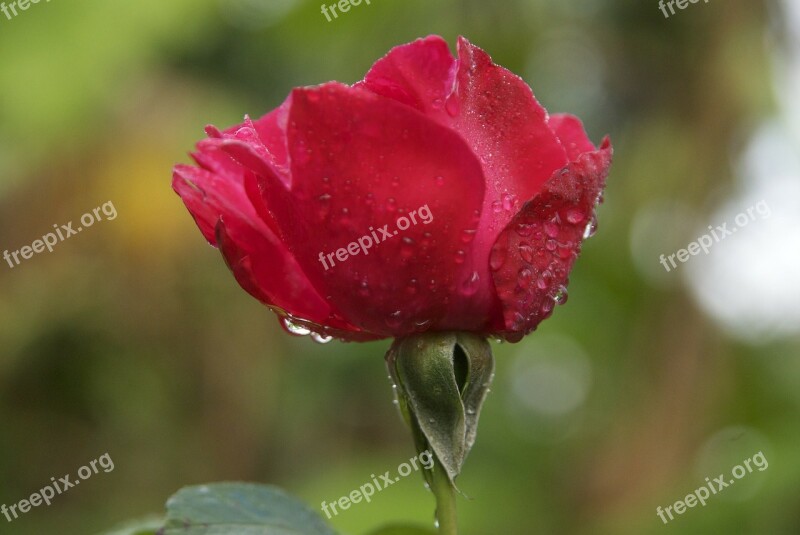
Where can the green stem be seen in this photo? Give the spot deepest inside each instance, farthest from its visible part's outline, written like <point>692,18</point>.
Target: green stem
<point>445,494</point>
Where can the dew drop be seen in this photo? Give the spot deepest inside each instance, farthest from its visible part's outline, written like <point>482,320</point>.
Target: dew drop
<point>324,205</point>
<point>321,338</point>
<point>468,235</point>
<point>524,278</point>
<point>363,288</point>
<point>460,256</point>
<point>551,228</point>
<point>497,207</point>
<point>422,325</point>
<point>526,252</point>
<point>407,248</point>
<point>394,320</point>
<point>439,180</point>
<point>411,287</point>
<point>509,202</point>
<point>560,297</point>
<point>391,205</point>
<point>294,328</point>
<point>524,229</point>
<point>470,286</point>
<point>498,256</point>
<point>544,280</point>
<point>575,216</point>
<point>551,245</point>
<point>452,106</point>
<point>591,228</point>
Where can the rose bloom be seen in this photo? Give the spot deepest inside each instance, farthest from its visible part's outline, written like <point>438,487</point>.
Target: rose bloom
<point>500,193</point>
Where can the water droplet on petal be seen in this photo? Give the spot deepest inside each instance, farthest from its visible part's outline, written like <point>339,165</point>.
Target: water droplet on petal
<point>551,245</point>
<point>498,256</point>
<point>470,286</point>
<point>391,205</point>
<point>460,256</point>
<point>439,180</point>
<point>591,228</point>
<point>411,287</point>
<point>560,297</point>
<point>407,248</point>
<point>497,207</point>
<point>452,105</point>
<point>324,205</point>
<point>575,216</point>
<point>468,235</point>
<point>551,228</point>
<point>545,279</point>
<point>294,328</point>
<point>524,229</point>
<point>524,278</point>
<point>509,202</point>
<point>394,320</point>
<point>321,338</point>
<point>526,252</point>
<point>363,288</point>
<point>422,325</point>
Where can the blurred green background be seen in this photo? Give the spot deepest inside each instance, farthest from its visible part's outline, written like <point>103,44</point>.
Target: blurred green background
<point>132,338</point>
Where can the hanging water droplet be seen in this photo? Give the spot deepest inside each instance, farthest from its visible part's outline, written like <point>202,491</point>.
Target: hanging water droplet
<point>591,227</point>
<point>560,297</point>
<point>294,328</point>
<point>321,338</point>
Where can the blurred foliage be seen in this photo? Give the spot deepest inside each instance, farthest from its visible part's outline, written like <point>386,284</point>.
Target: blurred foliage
<point>133,338</point>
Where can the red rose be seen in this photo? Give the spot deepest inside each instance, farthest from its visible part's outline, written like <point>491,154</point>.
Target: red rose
<point>475,200</point>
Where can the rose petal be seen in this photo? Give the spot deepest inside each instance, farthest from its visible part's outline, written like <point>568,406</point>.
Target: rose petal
<point>374,160</point>
<point>533,256</point>
<point>571,133</point>
<point>261,263</point>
